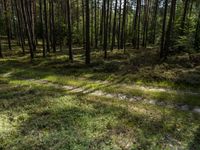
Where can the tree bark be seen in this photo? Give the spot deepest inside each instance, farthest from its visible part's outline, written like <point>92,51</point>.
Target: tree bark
<point>114,26</point>
<point>69,31</point>
<point>42,29</point>
<point>122,45</point>
<point>163,30</point>
<point>46,26</point>
<point>7,21</point>
<point>87,12</point>
<point>170,28</point>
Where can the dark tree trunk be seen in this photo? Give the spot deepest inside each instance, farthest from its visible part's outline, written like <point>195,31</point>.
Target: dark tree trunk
<point>53,27</point>
<point>119,24</point>
<point>197,34</point>
<point>27,20</point>
<point>106,14</point>
<point>95,24</point>
<point>114,26</point>
<point>87,12</point>
<point>20,26</point>
<point>136,28</point>
<point>7,21</point>
<point>46,26</point>
<point>69,31</point>
<point>155,21</point>
<point>163,30</point>
<point>77,15</point>
<point>145,26</point>
<point>138,25</point>
<point>185,10</point>
<point>42,29</point>
<point>83,13</point>
<point>110,21</point>
<point>170,28</point>
<point>1,55</point>
<point>123,27</point>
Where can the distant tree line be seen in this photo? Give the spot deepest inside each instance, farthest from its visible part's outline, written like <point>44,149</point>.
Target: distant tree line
<point>173,25</point>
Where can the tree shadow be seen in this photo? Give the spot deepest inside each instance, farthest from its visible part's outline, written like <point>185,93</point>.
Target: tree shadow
<point>15,97</point>
<point>72,127</point>
<point>195,144</point>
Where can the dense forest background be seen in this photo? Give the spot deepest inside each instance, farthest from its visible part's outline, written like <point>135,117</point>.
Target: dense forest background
<point>170,25</point>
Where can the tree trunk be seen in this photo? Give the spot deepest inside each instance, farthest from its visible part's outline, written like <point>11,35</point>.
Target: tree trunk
<point>20,26</point>
<point>155,21</point>
<point>42,29</point>
<point>53,27</point>
<point>87,12</point>
<point>114,26</point>
<point>123,26</point>
<point>197,34</point>
<point>69,31</point>
<point>83,13</point>
<point>1,55</point>
<point>27,20</point>
<point>46,26</point>
<point>119,24</point>
<point>138,25</point>
<point>185,10</point>
<point>106,14</point>
<point>95,24</point>
<point>170,28</point>
<point>163,30</point>
<point>7,21</point>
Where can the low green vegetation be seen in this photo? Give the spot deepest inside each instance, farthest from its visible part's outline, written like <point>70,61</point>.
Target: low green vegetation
<point>36,115</point>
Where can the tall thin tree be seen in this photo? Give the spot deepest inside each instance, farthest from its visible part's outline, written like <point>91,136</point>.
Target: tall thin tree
<point>87,12</point>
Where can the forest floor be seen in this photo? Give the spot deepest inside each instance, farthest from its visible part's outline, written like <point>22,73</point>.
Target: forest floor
<point>129,101</point>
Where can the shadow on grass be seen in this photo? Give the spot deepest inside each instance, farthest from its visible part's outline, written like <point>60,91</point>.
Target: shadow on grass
<point>91,124</point>
<point>16,97</point>
<point>195,144</point>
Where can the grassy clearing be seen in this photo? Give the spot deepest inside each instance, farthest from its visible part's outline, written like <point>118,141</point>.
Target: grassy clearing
<point>39,116</point>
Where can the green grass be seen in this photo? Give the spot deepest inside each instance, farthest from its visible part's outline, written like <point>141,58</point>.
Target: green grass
<point>36,116</point>
<point>41,116</point>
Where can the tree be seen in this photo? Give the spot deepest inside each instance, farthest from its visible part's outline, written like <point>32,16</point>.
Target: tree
<point>119,23</point>
<point>136,28</point>
<point>185,10</point>
<point>106,8</point>
<point>122,45</point>
<point>7,22</point>
<point>145,24</point>
<point>155,21</point>
<point>170,27</point>
<point>20,26</point>
<point>69,31</point>
<point>26,13</point>
<point>95,24</point>
<point>46,26</point>
<point>1,55</point>
<point>87,51</point>
<point>163,30</point>
<point>42,28</point>
<point>197,34</point>
<point>114,26</point>
<point>53,26</point>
